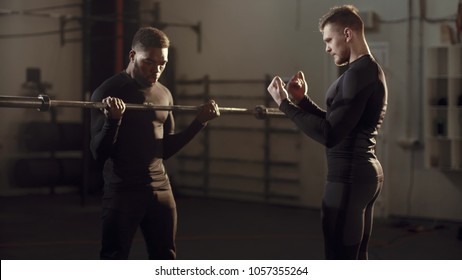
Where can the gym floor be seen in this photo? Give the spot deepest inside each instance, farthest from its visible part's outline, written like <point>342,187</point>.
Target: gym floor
<point>58,227</point>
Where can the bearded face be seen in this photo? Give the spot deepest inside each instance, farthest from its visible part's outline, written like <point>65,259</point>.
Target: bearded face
<point>148,65</point>
<point>336,40</point>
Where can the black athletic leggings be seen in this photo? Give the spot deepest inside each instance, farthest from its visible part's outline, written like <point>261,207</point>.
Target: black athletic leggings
<point>347,214</point>
<point>152,211</point>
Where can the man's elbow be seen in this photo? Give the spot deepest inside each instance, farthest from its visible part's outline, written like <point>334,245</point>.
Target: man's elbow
<point>331,142</point>
<point>98,154</point>
<point>166,155</point>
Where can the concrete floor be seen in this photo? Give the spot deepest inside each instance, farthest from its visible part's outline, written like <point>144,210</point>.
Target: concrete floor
<point>49,227</point>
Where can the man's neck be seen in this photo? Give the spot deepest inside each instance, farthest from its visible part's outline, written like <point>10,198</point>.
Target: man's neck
<point>359,52</point>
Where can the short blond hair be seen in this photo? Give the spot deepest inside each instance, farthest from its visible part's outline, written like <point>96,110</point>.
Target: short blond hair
<point>343,16</point>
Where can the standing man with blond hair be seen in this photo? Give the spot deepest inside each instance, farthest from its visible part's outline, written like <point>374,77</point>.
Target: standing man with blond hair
<point>356,105</point>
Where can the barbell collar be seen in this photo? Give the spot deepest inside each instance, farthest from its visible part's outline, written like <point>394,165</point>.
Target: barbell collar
<point>46,103</point>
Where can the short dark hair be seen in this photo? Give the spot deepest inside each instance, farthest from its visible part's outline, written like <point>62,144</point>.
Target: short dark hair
<point>150,37</point>
<point>344,16</point>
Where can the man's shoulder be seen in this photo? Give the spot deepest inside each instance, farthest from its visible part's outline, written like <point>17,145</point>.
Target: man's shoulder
<point>164,91</point>
<point>365,63</point>
<point>162,87</point>
<point>118,80</point>
<point>366,67</point>
<point>111,85</point>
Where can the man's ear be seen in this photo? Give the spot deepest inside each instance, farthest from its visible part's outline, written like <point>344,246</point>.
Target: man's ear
<point>131,55</point>
<point>348,33</point>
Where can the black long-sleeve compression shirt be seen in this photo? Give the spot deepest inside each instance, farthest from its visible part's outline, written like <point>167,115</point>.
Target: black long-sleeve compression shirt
<point>356,104</point>
<point>134,147</point>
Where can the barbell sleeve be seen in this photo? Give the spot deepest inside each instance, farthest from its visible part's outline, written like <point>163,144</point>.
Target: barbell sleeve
<point>43,103</point>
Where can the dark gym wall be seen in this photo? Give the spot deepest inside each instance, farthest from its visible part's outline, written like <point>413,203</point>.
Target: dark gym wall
<point>109,42</point>
<point>103,48</point>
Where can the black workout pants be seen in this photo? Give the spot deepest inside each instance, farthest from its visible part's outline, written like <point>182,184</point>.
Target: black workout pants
<point>153,211</point>
<point>347,214</point>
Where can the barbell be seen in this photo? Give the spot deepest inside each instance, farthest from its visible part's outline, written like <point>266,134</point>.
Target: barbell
<point>43,103</point>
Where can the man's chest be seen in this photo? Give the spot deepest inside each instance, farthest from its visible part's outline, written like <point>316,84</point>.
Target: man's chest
<point>333,93</point>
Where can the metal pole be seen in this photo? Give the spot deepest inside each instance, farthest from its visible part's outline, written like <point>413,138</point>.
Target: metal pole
<point>44,103</point>
<point>87,161</point>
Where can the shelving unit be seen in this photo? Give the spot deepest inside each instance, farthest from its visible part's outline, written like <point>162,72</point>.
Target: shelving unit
<point>49,154</point>
<point>443,108</point>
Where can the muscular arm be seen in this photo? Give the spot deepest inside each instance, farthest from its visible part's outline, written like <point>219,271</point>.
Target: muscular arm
<point>309,106</point>
<point>343,115</point>
<point>174,142</point>
<point>103,132</point>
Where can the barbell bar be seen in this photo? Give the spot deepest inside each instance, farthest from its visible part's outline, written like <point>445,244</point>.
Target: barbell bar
<point>43,103</point>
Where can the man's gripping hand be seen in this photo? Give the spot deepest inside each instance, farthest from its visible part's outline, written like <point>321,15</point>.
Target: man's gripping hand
<point>208,112</point>
<point>297,87</point>
<point>115,107</point>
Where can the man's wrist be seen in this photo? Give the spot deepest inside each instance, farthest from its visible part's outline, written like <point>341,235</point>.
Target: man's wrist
<point>298,101</point>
